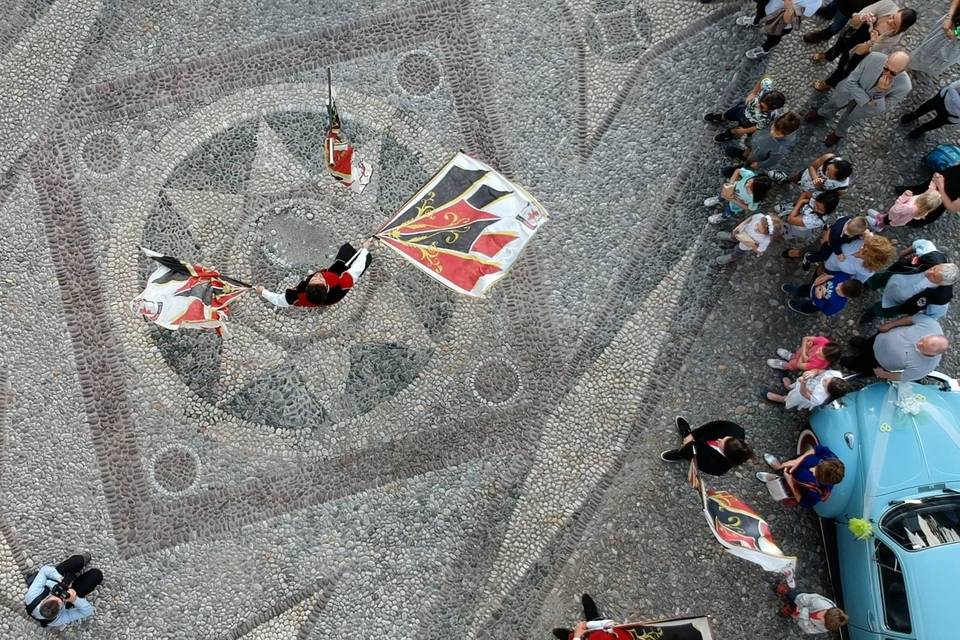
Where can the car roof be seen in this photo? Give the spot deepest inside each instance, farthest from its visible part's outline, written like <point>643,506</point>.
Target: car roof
<point>919,449</point>
<point>931,592</point>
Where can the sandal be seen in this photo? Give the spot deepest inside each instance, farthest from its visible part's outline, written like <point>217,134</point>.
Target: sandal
<point>818,56</point>
<point>821,86</point>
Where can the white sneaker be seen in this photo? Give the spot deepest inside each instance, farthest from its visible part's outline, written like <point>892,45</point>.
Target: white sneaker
<point>716,218</point>
<point>726,258</point>
<point>764,476</point>
<point>785,354</point>
<point>712,201</point>
<point>745,21</point>
<point>775,363</point>
<point>756,53</point>
<point>726,236</point>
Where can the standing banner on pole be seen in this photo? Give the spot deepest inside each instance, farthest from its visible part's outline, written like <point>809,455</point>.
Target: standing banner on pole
<point>466,226</point>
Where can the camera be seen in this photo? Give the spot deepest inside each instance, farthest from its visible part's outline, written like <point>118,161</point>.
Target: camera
<point>60,590</point>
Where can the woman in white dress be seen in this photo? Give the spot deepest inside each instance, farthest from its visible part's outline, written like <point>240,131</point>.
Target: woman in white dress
<point>940,49</point>
<point>812,389</point>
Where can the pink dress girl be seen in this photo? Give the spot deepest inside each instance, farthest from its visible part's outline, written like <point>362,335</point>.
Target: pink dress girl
<point>812,354</point>
<point>907,207</point>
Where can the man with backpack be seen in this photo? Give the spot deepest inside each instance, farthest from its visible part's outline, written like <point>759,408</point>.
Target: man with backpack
<point>57,595</point>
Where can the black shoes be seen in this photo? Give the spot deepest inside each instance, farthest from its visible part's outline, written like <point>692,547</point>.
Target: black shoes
<point>817,36</point>
<point>714,118</point>
<point>734,151</point>
<point>683,427</point>
<point>723,136</point>
<point>859,342</point>
<point>671,455</point>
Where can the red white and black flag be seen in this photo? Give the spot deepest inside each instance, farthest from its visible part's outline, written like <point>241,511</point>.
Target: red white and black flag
<point>466,226</point>
<point>184,295</point>
<point>745,534</point>
<point>675,629</point>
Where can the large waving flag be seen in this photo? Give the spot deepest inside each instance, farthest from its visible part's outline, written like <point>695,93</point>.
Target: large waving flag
<point>745,534</point>
<point>466,226</point>
<point>180,294</point>
<point>674,629</point>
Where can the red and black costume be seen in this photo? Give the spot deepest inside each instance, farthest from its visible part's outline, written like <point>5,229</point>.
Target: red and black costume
<point>339,277</point>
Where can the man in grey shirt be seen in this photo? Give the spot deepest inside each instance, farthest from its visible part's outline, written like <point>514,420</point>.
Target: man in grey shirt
<point>904,352</point>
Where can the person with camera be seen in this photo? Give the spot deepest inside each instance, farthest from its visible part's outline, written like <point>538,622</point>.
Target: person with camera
<point>57,595</point>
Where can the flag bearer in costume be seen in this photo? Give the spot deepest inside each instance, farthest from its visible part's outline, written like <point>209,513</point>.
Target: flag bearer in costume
<point>593,626</point>
<point>339,156</point>
<point>327,286</point>
<point>717,446</point>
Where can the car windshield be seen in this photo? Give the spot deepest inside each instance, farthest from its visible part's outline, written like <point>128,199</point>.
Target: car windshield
<point>924,523</point>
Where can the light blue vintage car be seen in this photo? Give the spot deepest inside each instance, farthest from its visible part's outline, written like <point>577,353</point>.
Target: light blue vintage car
<point>900,444</point>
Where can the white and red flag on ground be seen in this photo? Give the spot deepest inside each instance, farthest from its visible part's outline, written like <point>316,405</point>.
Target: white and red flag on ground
<point>466,226</point>
<point>745,534</point>
<point>184,295</point>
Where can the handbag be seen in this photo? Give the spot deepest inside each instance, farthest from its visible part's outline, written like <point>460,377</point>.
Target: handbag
<point>942,157</point>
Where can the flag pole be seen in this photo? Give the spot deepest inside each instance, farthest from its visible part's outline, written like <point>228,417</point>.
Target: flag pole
<point>354,256</point>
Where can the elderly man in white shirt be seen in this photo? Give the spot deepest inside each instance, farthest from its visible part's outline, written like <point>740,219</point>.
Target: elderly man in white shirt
<point>777,18</point>
<point>917,283</point>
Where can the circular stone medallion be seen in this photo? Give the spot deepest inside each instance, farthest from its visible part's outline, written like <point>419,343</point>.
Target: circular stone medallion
<point>419,73</point>
<point>495,382</point>
<point>102,153</point>
<point>175,469</point>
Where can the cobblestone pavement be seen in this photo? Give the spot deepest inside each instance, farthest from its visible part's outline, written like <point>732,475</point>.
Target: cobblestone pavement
<point>409,463</point>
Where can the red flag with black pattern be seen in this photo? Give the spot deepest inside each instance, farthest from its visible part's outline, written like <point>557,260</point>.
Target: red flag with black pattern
<point>181,294</point>
<point>465,227</point>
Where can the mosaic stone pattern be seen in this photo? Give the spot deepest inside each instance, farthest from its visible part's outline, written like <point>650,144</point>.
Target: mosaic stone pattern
<point>410,462</point>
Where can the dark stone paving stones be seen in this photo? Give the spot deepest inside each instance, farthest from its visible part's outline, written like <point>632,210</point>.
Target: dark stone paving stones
<point>175,469</point>
<point>222,163</point>
<point>102,153</point>
<point>418,73</point>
